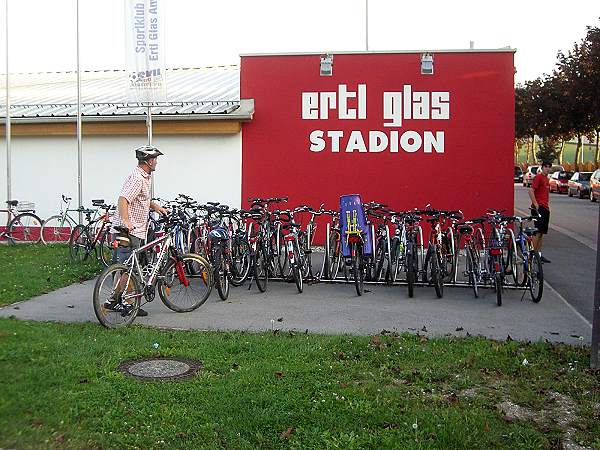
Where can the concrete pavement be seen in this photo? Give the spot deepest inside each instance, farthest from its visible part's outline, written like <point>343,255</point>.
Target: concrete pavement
<point>335,309</point>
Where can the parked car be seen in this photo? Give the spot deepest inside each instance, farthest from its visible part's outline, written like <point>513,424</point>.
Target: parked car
<point>530,174</point>
<point>518,174</point>
<point>559,181</point>
<point>556,168</point>
<point>595,186</point>
<point>579,184</point>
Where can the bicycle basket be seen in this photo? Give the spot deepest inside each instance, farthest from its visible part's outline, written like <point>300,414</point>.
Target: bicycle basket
<point>25,206</point>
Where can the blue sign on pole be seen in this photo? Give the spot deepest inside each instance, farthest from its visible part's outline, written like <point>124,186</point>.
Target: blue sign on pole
<point>353,219</point>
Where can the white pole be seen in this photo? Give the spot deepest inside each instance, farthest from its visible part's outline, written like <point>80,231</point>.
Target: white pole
<point>149,126</point>
<point>79,147</point>
<point>367,23</point>
<point>7,127</point>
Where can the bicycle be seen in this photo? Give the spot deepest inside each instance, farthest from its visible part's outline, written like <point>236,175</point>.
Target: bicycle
<point>495,262</point>
<point>473,243</point>
<point>22,224</point>
<point>407,248</point>
<point>529,270</point>
<point>183,281</point>
<point>81,243</point>
<point>357,239</point>
<point>439,259</point>
<point>333,247</point>
<point>58,228</point>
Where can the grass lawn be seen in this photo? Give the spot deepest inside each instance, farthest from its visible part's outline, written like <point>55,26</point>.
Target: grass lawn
<point>30,270</point>
<point>61,389</point>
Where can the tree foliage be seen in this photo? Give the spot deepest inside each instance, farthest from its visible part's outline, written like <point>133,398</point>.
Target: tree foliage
<point>564,104</point>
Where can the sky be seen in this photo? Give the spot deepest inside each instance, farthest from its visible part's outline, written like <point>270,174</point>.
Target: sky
<point>42,33</point>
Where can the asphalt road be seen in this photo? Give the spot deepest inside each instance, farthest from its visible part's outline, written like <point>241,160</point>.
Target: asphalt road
<point>571,246</point>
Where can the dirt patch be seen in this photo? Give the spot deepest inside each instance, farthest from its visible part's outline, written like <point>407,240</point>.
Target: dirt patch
<point>563,413</point>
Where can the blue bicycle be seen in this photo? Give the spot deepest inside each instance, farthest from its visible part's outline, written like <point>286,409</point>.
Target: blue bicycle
<point>528,271</point>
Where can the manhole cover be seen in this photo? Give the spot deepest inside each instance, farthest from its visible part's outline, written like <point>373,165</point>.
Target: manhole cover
<point>159,369</point>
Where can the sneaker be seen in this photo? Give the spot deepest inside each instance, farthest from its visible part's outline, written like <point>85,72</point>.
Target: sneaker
<point>110,305</point>
<point>545,260</point>
<point>142,313</point>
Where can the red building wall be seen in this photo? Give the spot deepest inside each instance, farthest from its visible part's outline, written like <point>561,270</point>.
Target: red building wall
<point>468,103</point>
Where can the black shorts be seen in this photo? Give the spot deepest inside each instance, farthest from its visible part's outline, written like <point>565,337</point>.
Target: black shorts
<point>542,222</point>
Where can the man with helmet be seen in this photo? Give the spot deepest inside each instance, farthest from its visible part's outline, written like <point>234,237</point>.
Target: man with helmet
<point>134,204</point>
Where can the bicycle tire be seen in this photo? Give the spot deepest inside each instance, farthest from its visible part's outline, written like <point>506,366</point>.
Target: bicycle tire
<point>79,243</point>
<point>358,269</point>
<point>222,282</point>
<point>55,229</point>
<point>537,274</point>
<point>197,271</point>
<point>240,261</point>
<point>498,286</point>
<point>25,227</point>
<point>105,248</point>
<point>436,277</point>
<point>379,260</point>
<point>261,270</point>
<point>447,253</point>
<point>472,270</point>
<point>297,274</point>
<point>411,274</point>
<point>334,255</point>
<point>282,256</point>
<point>104,292</point>
<point>510,263</point>
<point>427,264</point>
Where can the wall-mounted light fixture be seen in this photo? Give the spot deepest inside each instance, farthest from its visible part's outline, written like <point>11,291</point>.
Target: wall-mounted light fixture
<point>326,66</point>
<point>427,64</point>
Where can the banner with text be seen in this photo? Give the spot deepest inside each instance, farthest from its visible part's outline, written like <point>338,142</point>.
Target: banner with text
<point>145,58</point>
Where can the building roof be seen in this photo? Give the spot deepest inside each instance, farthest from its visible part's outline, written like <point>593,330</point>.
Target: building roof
<point>199,93</point>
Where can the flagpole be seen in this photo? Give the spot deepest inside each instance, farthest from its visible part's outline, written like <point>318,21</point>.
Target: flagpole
<point>7,130</point>
<point>79,146</point>
<point>367,23</point>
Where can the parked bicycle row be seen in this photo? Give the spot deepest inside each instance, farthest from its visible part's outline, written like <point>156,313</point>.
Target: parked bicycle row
<point>201,246</point>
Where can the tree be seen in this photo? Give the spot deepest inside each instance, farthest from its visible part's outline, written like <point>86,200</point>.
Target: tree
<point>548,150</point>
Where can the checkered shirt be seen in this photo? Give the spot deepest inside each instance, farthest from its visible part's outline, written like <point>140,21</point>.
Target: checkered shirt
<point>136,190</point>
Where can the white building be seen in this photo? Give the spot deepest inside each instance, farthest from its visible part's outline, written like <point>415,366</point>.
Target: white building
<point>199,130</point>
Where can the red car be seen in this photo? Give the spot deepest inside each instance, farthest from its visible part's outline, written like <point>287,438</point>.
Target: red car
<point>559,181</point>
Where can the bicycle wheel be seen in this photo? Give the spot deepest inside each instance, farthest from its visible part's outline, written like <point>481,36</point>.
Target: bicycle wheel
<point>536,276</point>
<point>105,249</point>
<point>26,228</point>
<point>297,269</point>
<point>240,261</point>
<point>115,287</point>
<point>222,282</point>
<point>498,287</point>
<point>56,229</point>
<point>185,285</point>
<point>472,271</point>
<point>447,253</point>
<point>358,271</point>
<point>79,243</point>
<point>283,264</point>
<point>427,265</point>
<point>380,256</point>
<point>435,274</point>
<point>411,271</point>
<point>261,269</point>
<point>334,255</point>
<point>305,256</point>
<point>509,261</point>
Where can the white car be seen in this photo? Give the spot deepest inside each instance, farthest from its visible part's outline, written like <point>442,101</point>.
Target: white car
<point>529,175</point>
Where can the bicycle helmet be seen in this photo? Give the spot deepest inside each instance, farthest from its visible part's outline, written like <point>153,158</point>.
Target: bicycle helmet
<point>218,234</point>
<point>146,152</point>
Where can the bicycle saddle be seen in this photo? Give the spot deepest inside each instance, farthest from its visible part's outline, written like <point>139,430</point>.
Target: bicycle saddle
<point>12,202</point>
